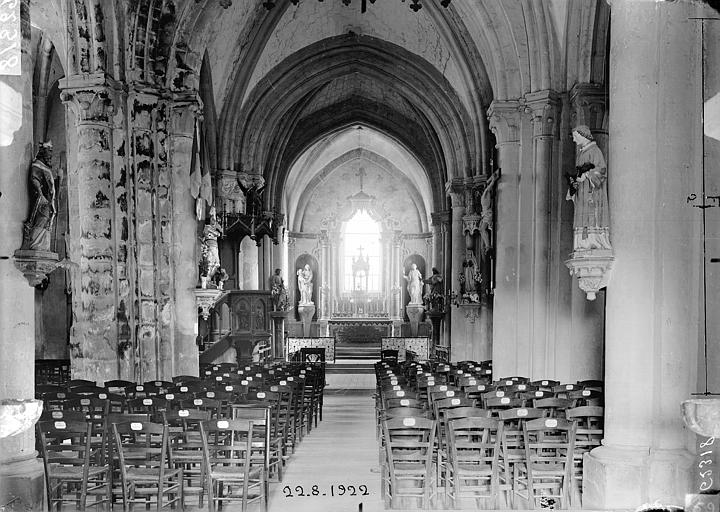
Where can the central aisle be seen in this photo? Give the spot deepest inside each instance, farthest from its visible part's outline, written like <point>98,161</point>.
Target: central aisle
<point>341,451</point>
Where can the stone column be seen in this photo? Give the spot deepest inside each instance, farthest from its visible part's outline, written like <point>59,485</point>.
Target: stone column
<point>325,277</point>
<point>443,262</point>
<point>504,119</point>
<point>396,312</point>
<point>543,107</point>
<point>185,255</point>
<point>653,307</point>
<point>102,338</point>
<point>459,341</point>
<point>21,473</point>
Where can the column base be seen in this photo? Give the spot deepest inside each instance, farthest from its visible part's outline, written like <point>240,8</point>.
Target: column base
<point>626,477</point>
<point>22,485</point>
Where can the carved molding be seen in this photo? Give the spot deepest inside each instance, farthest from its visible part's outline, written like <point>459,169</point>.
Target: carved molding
<point>36,265</point>
<point>504,120</point>
<point>593,270</point>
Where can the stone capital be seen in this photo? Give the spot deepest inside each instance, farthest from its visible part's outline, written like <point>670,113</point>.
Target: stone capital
<point>250,179</point>
<point>589,106</point>
<point>440,218</point>
<point>89,105</point>
<point>92,98</point>
<point>504,120</point>
<point>544,109</point>
<point>455,189</point>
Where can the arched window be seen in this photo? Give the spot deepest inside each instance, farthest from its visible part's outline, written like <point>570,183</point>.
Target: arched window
<point>361,255</point>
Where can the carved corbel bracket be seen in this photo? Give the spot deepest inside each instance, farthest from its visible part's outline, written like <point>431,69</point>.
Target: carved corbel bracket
<point>471,224</point>
<point>205,299</point>
<point>593,271</point>
<point>36,265</point>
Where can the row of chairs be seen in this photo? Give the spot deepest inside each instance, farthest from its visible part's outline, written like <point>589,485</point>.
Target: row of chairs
<point>150,448</point>
<point>527,450</point>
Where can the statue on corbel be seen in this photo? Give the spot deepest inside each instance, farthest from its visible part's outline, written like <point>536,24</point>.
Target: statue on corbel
<point>592,255</point>
<point>35,259</point>
<point>210,269</point>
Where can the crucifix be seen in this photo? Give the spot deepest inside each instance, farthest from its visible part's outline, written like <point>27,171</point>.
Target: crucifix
<point>361,173</point>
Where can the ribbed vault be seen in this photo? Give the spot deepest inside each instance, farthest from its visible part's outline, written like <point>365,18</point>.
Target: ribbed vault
<point>291,108</point>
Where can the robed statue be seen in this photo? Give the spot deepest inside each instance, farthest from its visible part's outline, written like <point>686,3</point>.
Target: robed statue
<point>37,230</point>
<point>414,284</point>
<point>588,191</point>
<point>304,281</point>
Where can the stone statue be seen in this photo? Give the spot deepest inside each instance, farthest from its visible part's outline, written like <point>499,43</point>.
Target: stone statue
<point>278,292</point>
<point>588,190</point>
<point>304,280</point>
<point>414,286</point>
<point>37,231</point>
<point>487,200</point>
<point>210,257</point>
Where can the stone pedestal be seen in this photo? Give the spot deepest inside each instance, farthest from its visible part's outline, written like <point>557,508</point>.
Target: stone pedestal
<point>279,318</point>
<point>592,270</point>
<point>307,311</point>
<point>36,265</point>
<point>436,320</point>
<point>414,313</point>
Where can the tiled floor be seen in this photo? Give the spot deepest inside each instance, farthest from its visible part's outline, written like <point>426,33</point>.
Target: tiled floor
<point>341,451</point>
<point>350,381</point>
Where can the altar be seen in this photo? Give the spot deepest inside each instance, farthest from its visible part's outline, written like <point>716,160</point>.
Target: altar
<point>358,331</point>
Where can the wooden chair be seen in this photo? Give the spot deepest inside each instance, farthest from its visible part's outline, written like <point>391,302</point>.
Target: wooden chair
<point>408,468</point>
<point>185,444</point>
<point>512,444</point>
<point>146,467</point>
<point>473,460</point>
<point>545,477</point>
<point>589,433</point>
<point>72,472</point>
<point>227,453</point>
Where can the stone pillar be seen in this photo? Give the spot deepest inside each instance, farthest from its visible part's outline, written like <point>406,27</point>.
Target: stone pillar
<point>443,262</point>
<point>21,473</point>
<point>459,341</point>
<point>543,107</point>
<point>325,277</point>
<point>396,312</point>
<point>185,255</point>
<point>102,338</point>
<point>653,301</point>
<point>508,357</point>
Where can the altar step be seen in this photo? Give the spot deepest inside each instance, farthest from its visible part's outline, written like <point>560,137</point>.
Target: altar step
<point>342,366</point>
<point>358,351</point>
